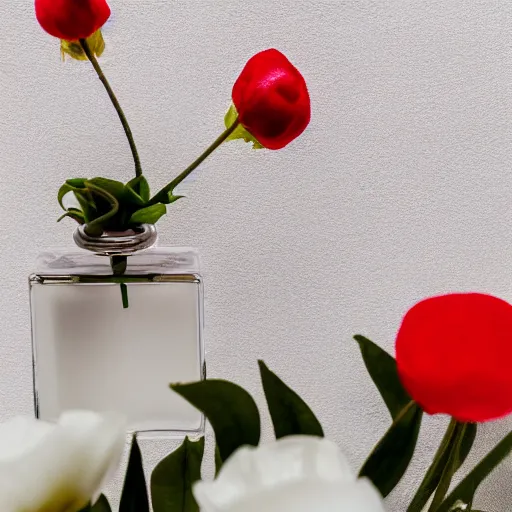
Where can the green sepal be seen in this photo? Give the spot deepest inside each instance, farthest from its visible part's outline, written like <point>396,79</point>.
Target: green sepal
<point>230,409</point>
<point>240,132</point>
<point>134,497</point>
<point>173,477</point>
<point>148,215</point>
<point>392,455</point>
<point>383,371</point>
<point>75,50</point>
<point>290,414</point>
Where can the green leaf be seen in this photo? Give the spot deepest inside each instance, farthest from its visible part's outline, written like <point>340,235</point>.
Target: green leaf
<point>172,479</point>
<point>240,132</point>
<point>74,214</point>
<point>134,497</point>
<point>441,459</point>
<point>383,371</point>
<point>102,505</point>
<point>70,185</point>
<point>148,215</point>
<point>77,183</point>
<point>75,50</point>
<point>138,188</point>
<point>171,198</point>
<point>290,414</point>
<point>77,187</point>
<point>95,227</point>
<point>63,190</point>
<point>86,202</point>
<point>144,190</point>
<point>467,488</point>
<point>113,187</point>
<point>230,409</point>
<point>391,456</point>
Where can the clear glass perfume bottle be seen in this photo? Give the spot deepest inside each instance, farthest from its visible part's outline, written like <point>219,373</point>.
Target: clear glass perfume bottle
<point>106,340</point>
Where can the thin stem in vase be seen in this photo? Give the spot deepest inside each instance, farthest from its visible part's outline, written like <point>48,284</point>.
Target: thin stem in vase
<point>115,102</point>
<point>162,195</point>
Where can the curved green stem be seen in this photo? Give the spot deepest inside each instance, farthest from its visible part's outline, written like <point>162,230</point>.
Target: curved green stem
<point>162,195</point>
<point>115,102</point>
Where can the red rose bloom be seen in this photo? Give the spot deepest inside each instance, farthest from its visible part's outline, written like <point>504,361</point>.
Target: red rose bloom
<point>72,19</point>
<point>272,99</point>
<point>454,354</point>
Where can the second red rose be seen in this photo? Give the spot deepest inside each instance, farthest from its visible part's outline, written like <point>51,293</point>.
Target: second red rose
<point>71,19</point>
<point>272,99</point>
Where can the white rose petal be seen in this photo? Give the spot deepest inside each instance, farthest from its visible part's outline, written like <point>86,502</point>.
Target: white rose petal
<point>59,467</point>
<point>296,474</point>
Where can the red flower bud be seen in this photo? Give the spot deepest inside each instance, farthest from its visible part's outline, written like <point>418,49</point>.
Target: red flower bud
<point>272,99</point>
<point>454,354</point>
<point>72,19</point>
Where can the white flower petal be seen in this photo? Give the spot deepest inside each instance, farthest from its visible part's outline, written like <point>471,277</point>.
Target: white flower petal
<point>65,469</point>
<point>20,435</point>
<point>298,473</point>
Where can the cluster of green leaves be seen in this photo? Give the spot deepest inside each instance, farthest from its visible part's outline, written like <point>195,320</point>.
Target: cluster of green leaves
<point>235,419</point>
<point>110,205</point>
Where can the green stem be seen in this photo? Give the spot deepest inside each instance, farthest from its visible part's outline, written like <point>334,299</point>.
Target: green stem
<point>124,295</point>
<point>431,480</point>
<point>119,264</point>
<point>115,102</point>
<point>450,468</point>
<point>162,196</point>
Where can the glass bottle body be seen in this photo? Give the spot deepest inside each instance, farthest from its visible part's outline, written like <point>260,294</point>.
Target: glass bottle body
<point>90,352</point>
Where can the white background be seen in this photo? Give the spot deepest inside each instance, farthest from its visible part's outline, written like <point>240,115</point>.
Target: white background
<point>400,188</point>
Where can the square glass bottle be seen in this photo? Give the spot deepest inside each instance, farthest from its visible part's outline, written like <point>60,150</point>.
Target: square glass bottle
<point>110,340</point>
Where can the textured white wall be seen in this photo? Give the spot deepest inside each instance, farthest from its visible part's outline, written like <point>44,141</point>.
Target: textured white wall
<point>401,187</point>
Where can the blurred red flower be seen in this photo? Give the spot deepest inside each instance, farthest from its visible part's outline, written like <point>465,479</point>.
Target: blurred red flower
<point>454,355</point>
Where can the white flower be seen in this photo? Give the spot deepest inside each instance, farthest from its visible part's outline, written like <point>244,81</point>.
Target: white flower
<point>294,474</point>
<point>59,467</point>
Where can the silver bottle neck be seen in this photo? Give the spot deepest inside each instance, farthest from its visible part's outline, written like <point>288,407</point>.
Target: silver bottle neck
<point>117,244</point>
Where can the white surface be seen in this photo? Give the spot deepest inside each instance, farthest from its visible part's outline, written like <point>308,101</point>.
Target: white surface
<point>401,187</point>
<point>92,354</point>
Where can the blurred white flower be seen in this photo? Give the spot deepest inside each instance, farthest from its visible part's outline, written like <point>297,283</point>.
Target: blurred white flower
<point>59,467</point>
<point>295,474</point>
